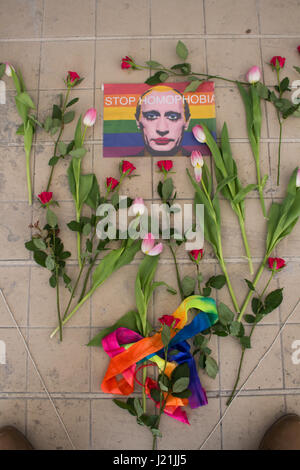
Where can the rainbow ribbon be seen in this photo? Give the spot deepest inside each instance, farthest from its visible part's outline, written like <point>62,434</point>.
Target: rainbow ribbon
<point>127,348</point>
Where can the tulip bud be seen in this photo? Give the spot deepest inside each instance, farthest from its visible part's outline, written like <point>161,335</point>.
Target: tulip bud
<point>8,69</point>
<point>199,134</point>
<point>277,62</point>
<point>197,162</point>
<point>90,117</point>
<point>148,246</point>
<point>253,75</point>
<point>298,179</point>
<point>138,207</point>
<point>45,197</point>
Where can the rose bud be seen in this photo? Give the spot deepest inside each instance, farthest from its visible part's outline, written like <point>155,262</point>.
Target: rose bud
<point>199,133</point>
<point>90,117</point>
<point>138,207</point>
<point>298,179</point>
<point>276,264</point>
<point>127,63</point>
<point>277,61</point>
<point>45,197</point>
<point>169,320</point>
<point>165,165</point>
<point>72,76</point>
<point>196,255</point>
<point>111,183</point>
<point>148,246</point>
<point>253,75</point>
<point>8,69</point>
<point>127,167</point>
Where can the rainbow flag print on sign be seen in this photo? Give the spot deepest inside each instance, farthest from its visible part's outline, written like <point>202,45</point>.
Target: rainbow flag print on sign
<point>141,120</point>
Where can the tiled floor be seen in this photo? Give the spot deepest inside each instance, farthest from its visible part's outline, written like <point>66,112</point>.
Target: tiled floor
<point>46,38</point>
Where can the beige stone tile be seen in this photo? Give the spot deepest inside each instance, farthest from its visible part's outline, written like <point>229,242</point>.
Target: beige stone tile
<point>284,47</point>
<point>14,230</point>
<point>229,98</point>
<point>289,161</point>
<point>276,16</point>
<point>21,20</point>
<point>256,233</point>
<point>293,404</point>
<point>69,18</point>
<point>290,127</point>
<point>13,174</point>
<point>98,128</point>
<point>177,435</point>
<point>59,184</point>
<point>14,283</point>
<point>123,432</point>
<point>10,120</point>
<point>289,280</point>
<point>115,18</point>
<point>291,347</point>
<point>12,413</point>
<point>237,273</point>
<point>58,57</point>
<point>290,245</point>
<point>137,186</point>
<point>164,51</point>
<point>44,430</point>
<point>229,17</point>
<point>105,310</point>
<point>248,419</point>
<point>232,58</point>
<point>269,373</point>
<point>170,17</point>
<point>63,366</point>
<point>99,364</point>
<point>13,372</point>
<point>23,56</point>
<point>110,53</point>
<point>43,310</point>
<point>48,98</point>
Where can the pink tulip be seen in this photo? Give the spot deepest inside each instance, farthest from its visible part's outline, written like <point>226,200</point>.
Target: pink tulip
<point>90,117</point>
<point>149,247</point>
<point>8,69</point>
<point>253,75</point>
<point>197,162</point>
<point>138,207</point>
<point>199,133</point>
<point>298,179</point>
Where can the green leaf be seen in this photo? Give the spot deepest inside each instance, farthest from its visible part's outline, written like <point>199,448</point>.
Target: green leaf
<point>245,342</point>
<point>30,245</point>
<point>25,99</point>
<point>250,285</point>
<point>166,335</point>
<point>181,50</point>
<point>217,282</point>
<point>226,316</point>
<point>200,341</point>
<point>211,367</point>
<point>62,147</point>
<point>56,112</point>
<point>185,394</point>
<point>138,407</point>
<point>85,186</point>
<point>78,153</point>
<point>167,189</point>
<point>250,318</point>
<point>51,218</point>
<point>188,285</point>
<point>69,116</point>
<point>157,78</point>
<point>73,101</point>
<point>50,264</point>
<point>20,130</point>
<point>65,255</point>
<point>193,86</point>
<point>206,291</point>
<point>40,258</point>
<point>181,384</point>
<point>93,199</point>
<point>243,193</point>
<point>74,226</point>
<point>48,123</point>
<point>153,63</point>
<point>284,84</point>
<point>180,371</point>
<point>39,243</point>
<point>256,305</point>
<point>125,406</point>
<point>156,432</point>
<point>52,281</point>
<point>78,136</point>
<point>86,229</point>
<point>273,300</point>
<point>53,161</point>
<point>262,90</point>
<point>2,70</point>
<point>236,329</point>
<point>219,330</point>
<point>184,68</point>
<point>155,394</point>
<point>297,69</point>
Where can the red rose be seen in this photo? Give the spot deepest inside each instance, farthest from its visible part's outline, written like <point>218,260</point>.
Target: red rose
<point>197,255</point>
<point>276,264</point>
<point>166,165</point>
<point>127,62</point>
<point>278,59</point>
<point>72,76</point>
<point>127,167</point>
<point>111,183</point>
<point>168,320</point>
<point>45,197</point>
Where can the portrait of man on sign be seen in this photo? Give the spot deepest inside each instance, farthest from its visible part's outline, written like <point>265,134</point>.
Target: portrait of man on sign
<point>162,115</point>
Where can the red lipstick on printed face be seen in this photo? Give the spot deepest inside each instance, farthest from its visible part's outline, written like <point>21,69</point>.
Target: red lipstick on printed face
<point>162,141</point>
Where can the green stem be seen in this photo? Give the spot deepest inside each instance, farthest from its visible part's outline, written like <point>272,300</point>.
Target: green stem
<point>57,304</point>
<point>161,405</point>
<point>249,295</point>
<point>144,391</point>
<point>260,189</point>
<point>73,292</point>
<point>244,236</point>
<point>279,149</point>
<point>28,178</point>
<point>199,283</point>
<point>177,272</point>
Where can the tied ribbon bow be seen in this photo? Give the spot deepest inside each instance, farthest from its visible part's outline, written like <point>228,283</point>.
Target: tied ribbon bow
<point>127,348</point>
